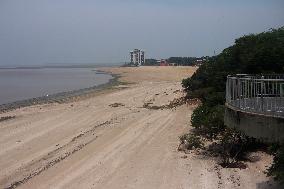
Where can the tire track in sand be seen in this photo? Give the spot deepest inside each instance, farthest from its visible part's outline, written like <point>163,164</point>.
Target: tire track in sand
<point>36,167</point>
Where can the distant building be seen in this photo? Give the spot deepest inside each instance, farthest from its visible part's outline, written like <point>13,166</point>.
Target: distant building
<point>137,57</point>
<point>163,62</point>
<point>199,62</point>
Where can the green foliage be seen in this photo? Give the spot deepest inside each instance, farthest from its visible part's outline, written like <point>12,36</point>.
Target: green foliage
<point>208,120</point>
<point>232,146</point>
<point>232,143</point>
<point>185,61</point>
<point>190,141</point>
<point>236,144</point>
<point>150,62</point>
<point>252,54</point>
<point>197,118</point>
<point>182,61</point>
<point>273,148</point>
<point>277,168</point>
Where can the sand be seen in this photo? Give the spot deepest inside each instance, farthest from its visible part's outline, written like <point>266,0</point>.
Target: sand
<point>111,141</point>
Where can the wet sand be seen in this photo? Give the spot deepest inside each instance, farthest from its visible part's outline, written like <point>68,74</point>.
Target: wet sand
<point>111,140</point>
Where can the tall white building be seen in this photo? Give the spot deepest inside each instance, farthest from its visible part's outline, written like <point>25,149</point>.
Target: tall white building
<point>137,57</point>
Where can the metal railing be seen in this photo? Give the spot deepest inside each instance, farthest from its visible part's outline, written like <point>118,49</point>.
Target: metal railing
<point>256,93</point>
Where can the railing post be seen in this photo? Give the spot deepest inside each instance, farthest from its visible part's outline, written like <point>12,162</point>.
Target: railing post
<point>239,91</point>
<point>262,91</point>
<point>227,90</point>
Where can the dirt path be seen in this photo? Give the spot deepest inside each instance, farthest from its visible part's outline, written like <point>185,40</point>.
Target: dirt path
<point>112,141</point>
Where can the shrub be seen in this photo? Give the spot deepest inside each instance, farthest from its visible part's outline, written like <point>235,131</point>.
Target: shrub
<point>208,120</point>
<point>277,168</point>
<point>232,143</point>
<point>198,117</point>
<point>235,145</point>
<point>190,141</point>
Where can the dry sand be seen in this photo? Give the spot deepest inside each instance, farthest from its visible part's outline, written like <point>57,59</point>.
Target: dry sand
<point>111,141</point>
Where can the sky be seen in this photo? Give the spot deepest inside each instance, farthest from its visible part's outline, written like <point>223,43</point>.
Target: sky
<point>40,32</point>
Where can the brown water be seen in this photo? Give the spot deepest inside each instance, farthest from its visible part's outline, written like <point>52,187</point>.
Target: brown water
<point>22,83</point>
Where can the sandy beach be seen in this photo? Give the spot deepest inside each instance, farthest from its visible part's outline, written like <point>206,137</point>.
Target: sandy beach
<point>110,140</point>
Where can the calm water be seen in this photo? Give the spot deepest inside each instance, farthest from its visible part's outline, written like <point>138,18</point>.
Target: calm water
<point>21,84</point>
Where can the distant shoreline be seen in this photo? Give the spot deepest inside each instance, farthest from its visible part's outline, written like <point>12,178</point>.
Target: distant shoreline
<point>57,66</point>
<point>61,97</point>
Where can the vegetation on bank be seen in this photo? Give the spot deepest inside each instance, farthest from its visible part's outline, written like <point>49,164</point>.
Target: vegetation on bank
<point>180,61</point>
<point>186,61</point>
<point>252,54</point>
<point>151,62</point>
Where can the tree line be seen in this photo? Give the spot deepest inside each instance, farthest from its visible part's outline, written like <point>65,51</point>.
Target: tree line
<point>180,61</point>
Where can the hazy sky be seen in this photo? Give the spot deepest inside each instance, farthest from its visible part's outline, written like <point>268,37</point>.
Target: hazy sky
<point>103,31</point>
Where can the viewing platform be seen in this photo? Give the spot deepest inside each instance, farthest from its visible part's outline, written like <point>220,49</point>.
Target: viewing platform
<point>255,105</point>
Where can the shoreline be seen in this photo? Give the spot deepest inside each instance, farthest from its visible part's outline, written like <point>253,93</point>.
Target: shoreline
<point>63,97</point>
<point>113,138</point>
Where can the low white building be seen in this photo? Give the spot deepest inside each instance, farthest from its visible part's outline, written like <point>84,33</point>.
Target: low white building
<point>137,57</point>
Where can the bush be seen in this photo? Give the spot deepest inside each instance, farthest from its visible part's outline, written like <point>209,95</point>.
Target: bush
<point>277,168</point>
<point>208,121</point>
<point>197,117</point>
<point>190,141</point>
<point>233,144</point>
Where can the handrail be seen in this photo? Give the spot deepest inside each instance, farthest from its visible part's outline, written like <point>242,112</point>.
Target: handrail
<point>262,94</point>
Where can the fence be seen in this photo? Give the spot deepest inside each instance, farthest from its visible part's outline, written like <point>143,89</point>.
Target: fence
<point>256,93</point>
